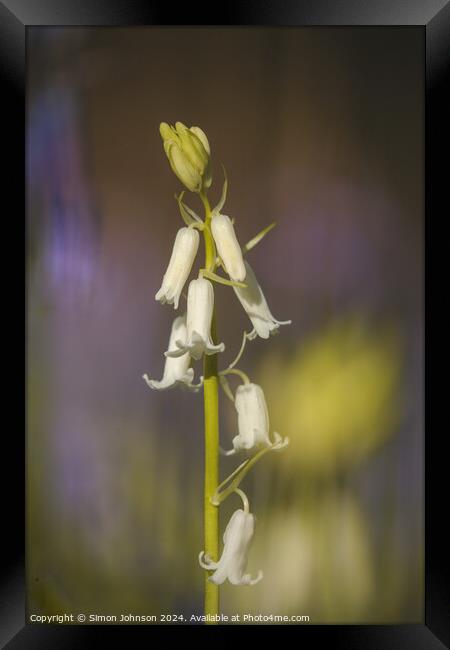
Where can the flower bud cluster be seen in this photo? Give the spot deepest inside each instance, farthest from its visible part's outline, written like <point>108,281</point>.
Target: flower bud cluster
<point>189,153</point>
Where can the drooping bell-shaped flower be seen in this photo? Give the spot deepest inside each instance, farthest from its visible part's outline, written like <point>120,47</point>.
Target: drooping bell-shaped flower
<point>253,421</point>
<point>200,306</point>
<point>183,254</point>
<point>188,152</point>
<point>253,301</point>
<point>233,562</point>
<point>177,370</point>
<point>228,247</point>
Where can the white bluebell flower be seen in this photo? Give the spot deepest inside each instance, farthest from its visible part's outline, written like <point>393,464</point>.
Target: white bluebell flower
<point>233,562</point>
<point>177,370</point>
<point>253,421</point>
<point>200,307</point>
<point>228,247</point>
<point>183,254</point>
<point>253,301</point>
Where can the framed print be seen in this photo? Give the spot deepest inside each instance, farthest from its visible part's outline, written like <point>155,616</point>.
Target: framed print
<point>227,230</point>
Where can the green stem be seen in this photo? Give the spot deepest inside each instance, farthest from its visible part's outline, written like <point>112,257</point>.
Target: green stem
<point>211,407</point>
<point>233,481</point>
<point>210,249</point>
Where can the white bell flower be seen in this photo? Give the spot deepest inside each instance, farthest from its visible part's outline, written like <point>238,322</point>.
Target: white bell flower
<point>233,562</point>
<point>228,247</point>
<point>177,370</point>
<point>253,421</point>
<point>183,254</point>
<point>253,301</point>
<point>200,306</point>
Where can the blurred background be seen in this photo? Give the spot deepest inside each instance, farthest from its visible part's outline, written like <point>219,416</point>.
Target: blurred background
<point>320,129</point>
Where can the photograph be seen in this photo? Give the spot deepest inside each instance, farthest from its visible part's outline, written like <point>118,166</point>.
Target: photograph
<point>225,259</point>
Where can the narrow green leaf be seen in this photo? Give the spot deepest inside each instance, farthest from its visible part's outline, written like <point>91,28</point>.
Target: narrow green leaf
<point>188,219</point>
<point>191,212</point>
<point>223,197</point>
<point>257,238</point>
<point>218,278</point>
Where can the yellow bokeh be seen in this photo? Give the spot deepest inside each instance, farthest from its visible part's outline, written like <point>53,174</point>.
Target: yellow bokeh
<point>337,396</point>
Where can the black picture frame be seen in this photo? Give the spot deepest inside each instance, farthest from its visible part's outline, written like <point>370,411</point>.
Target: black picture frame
<point>434,17</point>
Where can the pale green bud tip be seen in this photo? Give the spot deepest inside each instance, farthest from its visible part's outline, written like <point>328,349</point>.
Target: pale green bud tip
<point>201,135</point>
<point>188,152</point>
<point>183,168</point>
<point>166,131</point>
